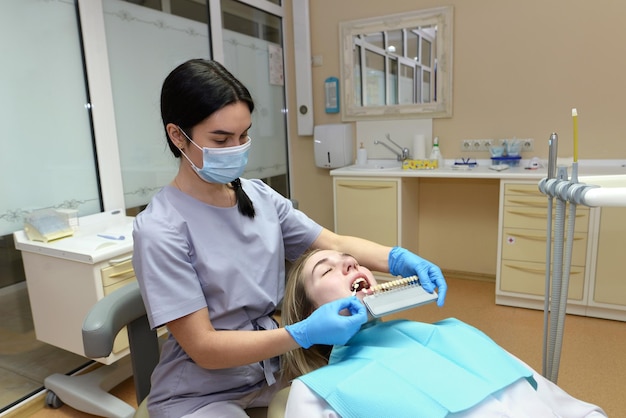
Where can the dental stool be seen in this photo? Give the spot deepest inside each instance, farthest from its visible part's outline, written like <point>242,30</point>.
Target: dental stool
<point>124,307</point>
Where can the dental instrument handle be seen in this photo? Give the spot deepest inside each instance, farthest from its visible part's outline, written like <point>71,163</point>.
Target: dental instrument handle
<point>546,351</point>
<point>574,178</point>
<point>546,365</point>
<point>557,273</point>
<point>567,262</point>
<point>113,237</point>
<point>553,145</point>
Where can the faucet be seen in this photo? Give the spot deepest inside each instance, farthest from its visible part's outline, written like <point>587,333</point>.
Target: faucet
<point>401,156</point>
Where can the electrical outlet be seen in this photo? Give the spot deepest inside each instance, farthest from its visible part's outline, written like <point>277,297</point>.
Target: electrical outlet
<point>466,145</point>
<point>473,145</point>
<point>527,145</point>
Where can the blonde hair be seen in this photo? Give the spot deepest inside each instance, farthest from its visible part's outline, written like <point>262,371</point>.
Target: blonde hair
<point>296,307</point>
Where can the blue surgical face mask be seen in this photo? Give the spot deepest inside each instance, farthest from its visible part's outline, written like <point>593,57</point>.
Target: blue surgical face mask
<point>221,165</point>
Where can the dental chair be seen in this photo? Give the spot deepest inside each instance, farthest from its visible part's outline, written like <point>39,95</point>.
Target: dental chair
<point>124,307</point>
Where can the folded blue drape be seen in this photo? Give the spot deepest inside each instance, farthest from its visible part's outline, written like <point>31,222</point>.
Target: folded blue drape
<point>412,369</point>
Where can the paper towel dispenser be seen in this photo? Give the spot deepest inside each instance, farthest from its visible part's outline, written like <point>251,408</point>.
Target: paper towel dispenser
<point>333,145</point>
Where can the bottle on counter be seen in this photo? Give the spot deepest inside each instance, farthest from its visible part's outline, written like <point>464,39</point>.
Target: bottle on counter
<point>361,155</point>
<point>435,153</point>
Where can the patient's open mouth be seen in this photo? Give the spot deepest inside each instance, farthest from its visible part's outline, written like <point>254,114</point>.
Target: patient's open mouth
<point>359,284</point>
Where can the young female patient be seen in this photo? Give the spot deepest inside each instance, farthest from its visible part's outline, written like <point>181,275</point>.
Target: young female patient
<point>404,368</point>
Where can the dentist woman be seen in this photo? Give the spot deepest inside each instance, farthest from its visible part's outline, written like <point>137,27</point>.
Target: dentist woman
<point>210,253</point>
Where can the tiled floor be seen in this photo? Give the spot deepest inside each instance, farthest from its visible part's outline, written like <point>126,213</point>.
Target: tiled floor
<point>24,361</point>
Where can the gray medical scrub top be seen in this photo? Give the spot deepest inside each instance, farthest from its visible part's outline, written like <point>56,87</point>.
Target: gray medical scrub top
<point>189,255</point>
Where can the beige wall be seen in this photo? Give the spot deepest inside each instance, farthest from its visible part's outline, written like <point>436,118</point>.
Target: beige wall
<point>519,68</point>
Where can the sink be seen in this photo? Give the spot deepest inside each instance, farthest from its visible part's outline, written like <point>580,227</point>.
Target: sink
<point>377,165</point>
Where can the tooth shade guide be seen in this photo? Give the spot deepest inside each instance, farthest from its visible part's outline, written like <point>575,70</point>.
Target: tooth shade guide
<point>396,295</point>
<point>393,284</point>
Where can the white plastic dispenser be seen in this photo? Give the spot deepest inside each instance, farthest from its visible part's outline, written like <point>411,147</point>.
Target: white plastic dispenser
<point>361,155</point>
<point>332,145</point>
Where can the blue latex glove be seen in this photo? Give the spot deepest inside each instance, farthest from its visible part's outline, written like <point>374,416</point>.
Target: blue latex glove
<point>404,263</point>
<point>326,326</point>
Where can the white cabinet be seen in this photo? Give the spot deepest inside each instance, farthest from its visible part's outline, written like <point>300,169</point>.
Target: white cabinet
<point>367,209</point>
<point>595,287</point>
<point>521,271</point>
<point>65,278</point>
<point>607,278</point>
<point>378,209</point>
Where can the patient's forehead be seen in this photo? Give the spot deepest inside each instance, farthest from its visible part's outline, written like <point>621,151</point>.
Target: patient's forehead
<point>318,255</point>
<point>322,257</point>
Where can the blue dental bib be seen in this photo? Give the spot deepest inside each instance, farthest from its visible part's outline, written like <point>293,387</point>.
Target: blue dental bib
<point>411,369</point>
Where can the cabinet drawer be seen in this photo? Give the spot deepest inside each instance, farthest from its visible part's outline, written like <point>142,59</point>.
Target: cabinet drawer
<point>530,245</point>
<point>530,278</point>
<point>524,195</point>
<point>121,341</point>
<point>538,201</point>
<point>116,273</point>
<point>536,218</point>
<point>523,189</point>
<point>115,276</point>
<point>120,283</point>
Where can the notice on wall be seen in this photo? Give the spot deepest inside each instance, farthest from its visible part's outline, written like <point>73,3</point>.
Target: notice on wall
<point>275,56</point>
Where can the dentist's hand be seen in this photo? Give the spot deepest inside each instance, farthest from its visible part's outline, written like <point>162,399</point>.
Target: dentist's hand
<point>404,263</point>
<point>327,326</point>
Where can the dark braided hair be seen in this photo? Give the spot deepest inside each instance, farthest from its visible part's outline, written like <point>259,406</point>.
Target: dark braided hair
<point>192,92</point>
<point>244,204</point>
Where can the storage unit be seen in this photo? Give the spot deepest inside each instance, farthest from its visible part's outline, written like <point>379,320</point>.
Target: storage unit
<point>609,289</point>
<point>597,287</point>
<point>368,209</point>
<point>66,277</point>
<point>598,253</point>
<point>378,209</point>
<point>521,270</point>
<point>607,284</point>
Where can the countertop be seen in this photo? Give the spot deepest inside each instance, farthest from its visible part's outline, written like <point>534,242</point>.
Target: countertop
<point>482,170</point>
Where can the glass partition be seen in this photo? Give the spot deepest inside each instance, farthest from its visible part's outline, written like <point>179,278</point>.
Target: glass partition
<point>47,161</point>
<point>154,42</point>
<point>252,41</point>
<point>47,151</point>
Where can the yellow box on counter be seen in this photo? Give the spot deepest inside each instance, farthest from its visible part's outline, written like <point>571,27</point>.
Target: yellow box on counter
<point>419,164</point>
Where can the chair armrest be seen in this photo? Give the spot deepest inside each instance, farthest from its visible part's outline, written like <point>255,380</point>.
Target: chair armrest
<point>108,316</point>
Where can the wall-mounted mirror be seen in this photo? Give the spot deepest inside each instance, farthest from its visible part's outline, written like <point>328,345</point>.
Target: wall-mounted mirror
<point>397,65</point>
